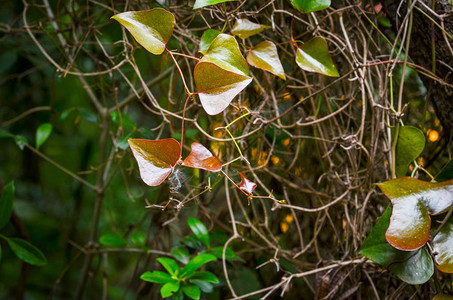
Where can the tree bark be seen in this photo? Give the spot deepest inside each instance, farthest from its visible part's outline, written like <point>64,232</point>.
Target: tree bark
<point>424,34</point>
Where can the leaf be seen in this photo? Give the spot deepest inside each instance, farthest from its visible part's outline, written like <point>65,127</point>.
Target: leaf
<point>138,238</point>
<point>313,56</point>
<point>202,158</point>
<point>446,173</point>
<point>204,286</point>
<point>151,28</point>
<point>181,254</point>
<point>156,277</point>
<point>155,159</point>
<point>206,39</point>
<point>199,229</point>
<point>221,74</point>
<point>6,204</point>
<point>376,246</point>
<point>411,142</point>
<point>191,291</point>
<point>26,252</point>
<point>308,6</point>
<point>203,3</point>
<point>436,196</point>
<point>121,119</point>
<point>5,134</point>
<point>205,276</point>
<point>21,141</point>
<point>111,239</point>
<point>442,248</point>
<point>88,114</point>
<point>192,242</point>
<point>265,57</point>
<point>442,297</point>
<point>218,251</point>
<point>244,28</point>
<point>246,185</point>
<point>170,265</point>
<point>195,263</point>
<point>418,269</point>
<point>42,134</point>
<point>169,289</point>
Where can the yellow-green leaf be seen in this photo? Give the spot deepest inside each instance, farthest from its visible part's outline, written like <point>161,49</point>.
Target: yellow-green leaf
<point>307,6</point>
<point>443,248</point>
<point>314,56</point>
<point>244,28</point>
<point>151,28</point>
<point>265,57</point>
<point>207,38</point>
<point>203,3</point>
<point>410,144</point>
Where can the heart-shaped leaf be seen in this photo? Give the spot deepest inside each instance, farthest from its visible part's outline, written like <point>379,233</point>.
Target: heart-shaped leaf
<point>376,246</point>
<point>307,6</point>
<point>410,144</point>
<point>151,28</point>
<point>436,196</point>
<point>443,248</point>
<point>314,56</point>
<point>246,185</point>
<point>244,28</point>
<point>418,269</point>
<point>155,159</point>
<point>221,74</point>
<point>442,297</point>
<point>202,158</point>
<point>265,57</point>
<point>207,38</point>
<point>203,3</point>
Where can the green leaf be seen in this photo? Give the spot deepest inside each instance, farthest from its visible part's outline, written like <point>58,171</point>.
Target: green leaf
<point>204,286</point>
<point>123,120</point>
<point>195,263</point>
<point>221,74</point>
<point>192,242</point>
<point>376,246</point>
<point>42,134</point>
<point>243,28</point>
<point>200,230</point>
<point>313,56</point>
<point>170,265</point>
<point>436,196</point>
<point>155,159</point>
<point>88,114</point>
<point>203,3</point>
<point>191,133</point>
<point>169,289</point>
<point>265,57</point>
<point>442,297</point>
<point>218,251</point>
<point>411,142</point>
<point>181,254</point>
<point>26,252</point>
<point>6,204</point>
<point>138,238</point>
<point>191,291</point>
<point>5,134</point>
<point>442,247</point>
<point>307,6</point>
<point>112,239</point>
<point>446,173</point>
<point>418,269</point>
<point>207,38</point>
<point>156,277</point>
<point>151,28</point>
<point>21,141</point>
<point>205,276</point>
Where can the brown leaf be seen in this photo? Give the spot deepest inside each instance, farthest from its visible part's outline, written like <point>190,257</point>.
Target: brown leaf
<point>246,185</point>
<point>201,158</point>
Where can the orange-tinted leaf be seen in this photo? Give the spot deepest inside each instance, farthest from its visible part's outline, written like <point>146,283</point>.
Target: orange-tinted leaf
<point>265,57</point>
<point>246,185</point>
<point>155,159</point>
<point>243,28</point>
<point>314,56</point>
<point>151,28</point>
<point>436,196</point>
<point>443,248</point>
<point>409,224</point>
<point>201,158</point>
<point>221,74</point>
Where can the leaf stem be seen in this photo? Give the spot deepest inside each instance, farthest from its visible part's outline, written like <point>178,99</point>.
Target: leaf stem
<point>182,124</point>
<point>180,72</point>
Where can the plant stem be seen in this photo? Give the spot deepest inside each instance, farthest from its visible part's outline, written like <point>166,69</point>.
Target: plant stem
<point>182,125</point>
